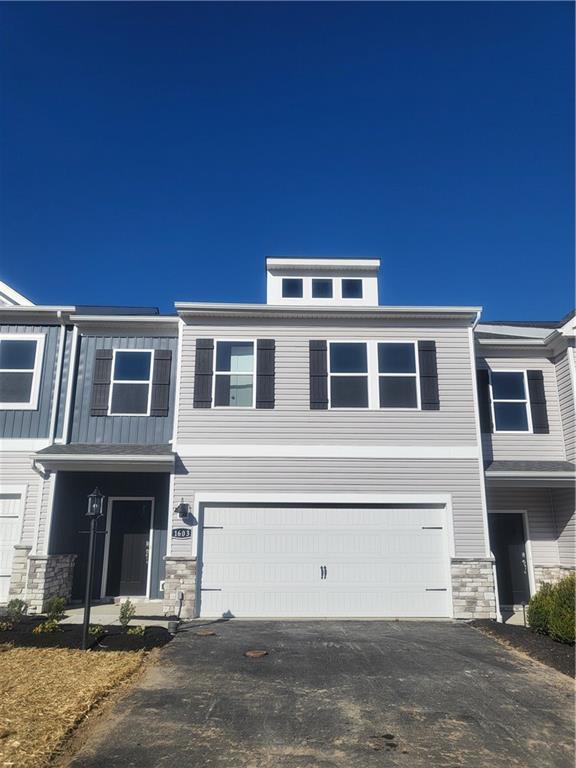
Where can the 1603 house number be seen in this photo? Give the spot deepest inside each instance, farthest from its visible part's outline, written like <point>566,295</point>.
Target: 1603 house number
<point>181,533</point>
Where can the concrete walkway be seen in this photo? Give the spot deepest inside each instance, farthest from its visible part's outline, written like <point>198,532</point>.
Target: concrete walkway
<point>339,695</point>
<point>148,614</point>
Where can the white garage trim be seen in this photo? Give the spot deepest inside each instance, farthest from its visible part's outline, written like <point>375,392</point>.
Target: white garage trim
<point>20,491</point>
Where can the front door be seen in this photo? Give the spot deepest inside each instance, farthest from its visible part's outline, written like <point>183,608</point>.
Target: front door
<point>128,547</point>
<point>508,543</point>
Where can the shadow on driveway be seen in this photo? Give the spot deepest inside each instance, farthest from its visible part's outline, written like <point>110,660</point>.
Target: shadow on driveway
<point>349,694</point>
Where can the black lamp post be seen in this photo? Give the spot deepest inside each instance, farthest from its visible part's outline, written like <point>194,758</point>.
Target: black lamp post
<point>95,504</point>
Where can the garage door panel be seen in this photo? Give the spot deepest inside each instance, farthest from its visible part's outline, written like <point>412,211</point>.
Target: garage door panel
<point>10,504</point>
<point>383,561</point>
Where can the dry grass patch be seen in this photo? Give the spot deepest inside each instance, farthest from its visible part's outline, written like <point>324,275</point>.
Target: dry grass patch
<point>45,692</point>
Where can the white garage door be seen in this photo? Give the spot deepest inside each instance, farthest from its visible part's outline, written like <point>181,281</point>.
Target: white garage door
<point>9,534</point>
<point>318,561</point>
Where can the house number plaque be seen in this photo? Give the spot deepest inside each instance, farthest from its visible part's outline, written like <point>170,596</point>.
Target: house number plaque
<point>181,533</point>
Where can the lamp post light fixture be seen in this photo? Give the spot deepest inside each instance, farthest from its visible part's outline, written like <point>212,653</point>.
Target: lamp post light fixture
<point>94,513</point>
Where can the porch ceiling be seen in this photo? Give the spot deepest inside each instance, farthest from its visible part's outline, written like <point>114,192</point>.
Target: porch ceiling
<point>106,457</point>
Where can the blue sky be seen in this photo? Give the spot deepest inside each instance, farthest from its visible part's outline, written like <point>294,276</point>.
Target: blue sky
<point>158,152</point>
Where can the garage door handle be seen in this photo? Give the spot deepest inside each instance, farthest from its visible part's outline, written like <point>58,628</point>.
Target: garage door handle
<point>323,571</point>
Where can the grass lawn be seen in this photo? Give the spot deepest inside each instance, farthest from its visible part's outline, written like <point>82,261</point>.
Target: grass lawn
<point>45,692</point>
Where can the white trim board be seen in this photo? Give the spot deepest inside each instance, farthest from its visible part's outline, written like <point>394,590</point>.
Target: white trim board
<point>263,450</point>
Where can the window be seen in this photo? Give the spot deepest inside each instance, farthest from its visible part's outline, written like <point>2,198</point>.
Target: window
<point>234,374</point>
<point>130,387</point>
<point>397,375</point>
<point>351,288</point>
<point>20,371</point>
<point>348,364</point>
<point>321,289</point>
<point>292,288</point>
<point>510,410</point>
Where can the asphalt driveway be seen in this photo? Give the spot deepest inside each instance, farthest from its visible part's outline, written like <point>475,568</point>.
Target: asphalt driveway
<point>346,694</point>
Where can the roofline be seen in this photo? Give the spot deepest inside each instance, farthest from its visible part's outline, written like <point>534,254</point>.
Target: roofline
<point>14,296</point>
<point>124,318</point>
<point>321,263</point>
<point>311,312</point>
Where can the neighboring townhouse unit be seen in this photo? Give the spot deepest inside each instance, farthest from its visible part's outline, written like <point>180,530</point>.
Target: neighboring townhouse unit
<point>526,384</point>
<point>87,400</point>
<point>319,455</point>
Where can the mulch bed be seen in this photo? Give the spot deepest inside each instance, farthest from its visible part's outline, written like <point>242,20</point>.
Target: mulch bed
<point>70,636</point>
<point>559,656</point>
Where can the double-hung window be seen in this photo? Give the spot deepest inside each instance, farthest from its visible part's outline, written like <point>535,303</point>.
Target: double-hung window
<point>348,373</point>
<point>398,375</point>
<point>20,371</point>
<point>510,403</point>
<point>373,375</point>
<point>234,374</point>
<point>131,382</point>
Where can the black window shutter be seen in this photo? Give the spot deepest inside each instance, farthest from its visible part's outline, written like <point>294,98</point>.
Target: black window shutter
<point>203,373</point>
<point>538,403</point>
<point>265,366</point>
<point>161,382</point>
<point>101,382</point>
<point>429,394</point>
<point>483,382</point>
<point>318,375</point>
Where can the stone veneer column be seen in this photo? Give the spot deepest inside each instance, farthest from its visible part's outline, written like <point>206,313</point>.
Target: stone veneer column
<point>180,577</point>
<point>550,574</point>
<point>473,593</point>
<point>48,576</point>
<point>19,575</point>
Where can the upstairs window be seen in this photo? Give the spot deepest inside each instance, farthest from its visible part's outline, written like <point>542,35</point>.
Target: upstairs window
<point>131,383</point>
<point>397,375</point>
<point>20,371</point>
<point>292,288</point>
<point>234,374</point>
<point>321,289</point>
<point>510,410</point>
<point>348,374</point>
<point>351,288</point>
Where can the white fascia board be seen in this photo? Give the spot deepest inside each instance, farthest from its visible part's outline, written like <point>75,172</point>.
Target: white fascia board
<point>315,451</point>
<point>191,309</point>
<point>166,319</point>
<point>531,474</point>
<point>109,463</point>
<point>12,297</point>
<point>527,332</point>
<point>306,264</point>
<point>34,309</point>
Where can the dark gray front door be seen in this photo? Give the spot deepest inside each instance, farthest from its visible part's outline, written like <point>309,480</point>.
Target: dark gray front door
<point>508,544</point>
<point>128,549</point>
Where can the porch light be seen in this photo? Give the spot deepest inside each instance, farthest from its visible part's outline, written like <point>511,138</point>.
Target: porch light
<point>182,509</point>
<point>95,503</point>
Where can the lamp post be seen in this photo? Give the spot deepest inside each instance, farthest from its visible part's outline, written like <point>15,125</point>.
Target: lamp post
<point>95,503</point>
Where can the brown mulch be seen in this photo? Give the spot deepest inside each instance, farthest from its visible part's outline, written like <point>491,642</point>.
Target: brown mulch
<point>559,656</point>
<point>46,692</point>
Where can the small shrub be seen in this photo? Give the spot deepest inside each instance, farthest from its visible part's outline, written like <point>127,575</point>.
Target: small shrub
<point>50,625</point>
<point>6,626</point>
<point>95,630</point>
<point>55,608</point>
<point>138,631</point>
<point>15,610</point>
<point>561,625</point>
<point>539,608</point>
<point>127,613</point>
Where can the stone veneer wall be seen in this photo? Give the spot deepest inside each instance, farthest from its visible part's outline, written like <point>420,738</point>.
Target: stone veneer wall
<point>550,574</point>
<point>473,593</point>
<point>19,577</point>
<point>180,577</point>
<point>48,576</point>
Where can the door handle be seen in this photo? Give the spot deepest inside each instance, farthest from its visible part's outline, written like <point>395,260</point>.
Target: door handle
<point>323,571</point>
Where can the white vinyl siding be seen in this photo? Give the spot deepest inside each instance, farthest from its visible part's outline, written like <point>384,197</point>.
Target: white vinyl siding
<point>293,422</point>
<point>567,408</point>
<point>458,478</point>
<point>565,508</point>
<point>525,446</point>
<point>16,470</point>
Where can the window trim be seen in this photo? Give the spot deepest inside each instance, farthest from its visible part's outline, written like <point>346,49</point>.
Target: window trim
<point>216,372</point>
<point>525,402</point>
<point>373,374</point>
<point>296,298</point>
<point>415,375</point>
<point>352,298</point>
<point>131,381</point>
<point>40,339</point>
